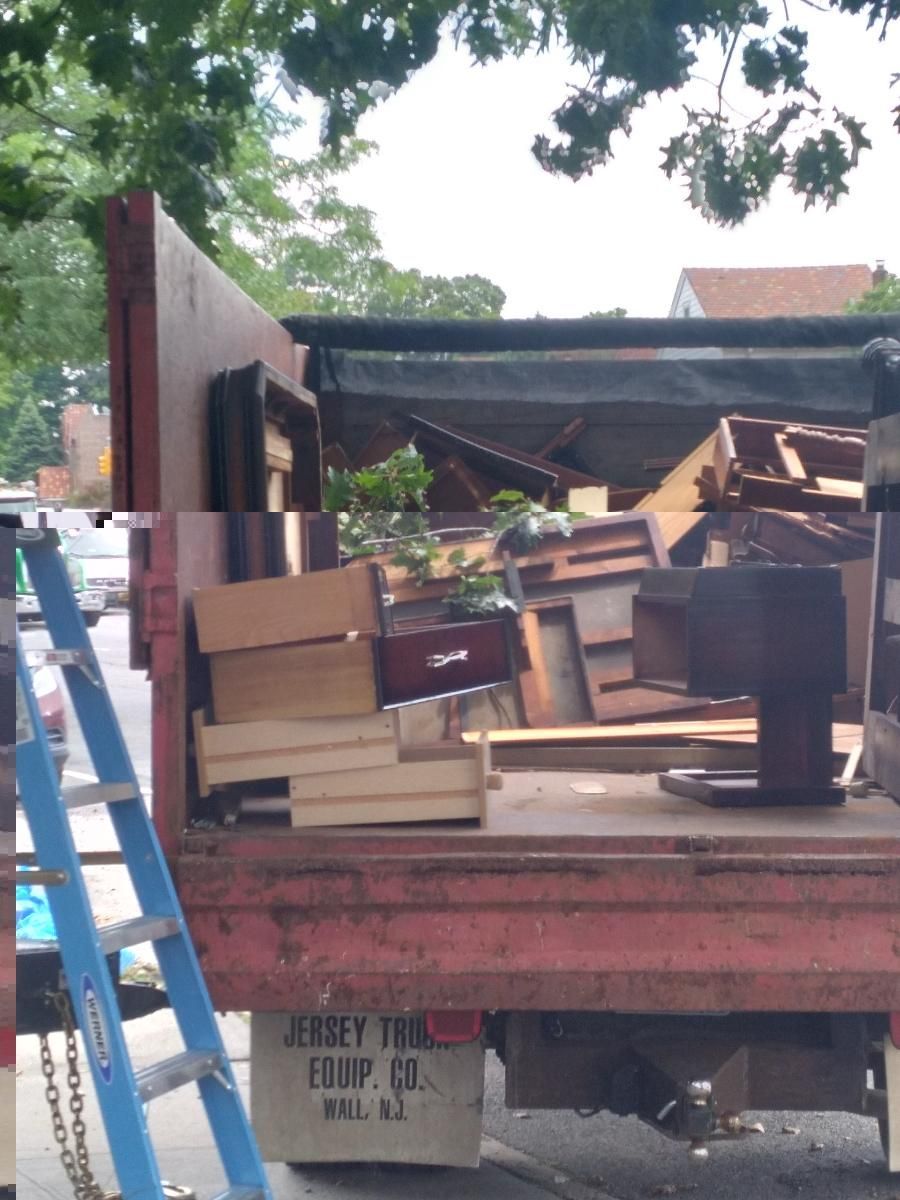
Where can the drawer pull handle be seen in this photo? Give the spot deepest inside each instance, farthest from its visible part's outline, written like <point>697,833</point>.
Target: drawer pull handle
<point>444,660</point>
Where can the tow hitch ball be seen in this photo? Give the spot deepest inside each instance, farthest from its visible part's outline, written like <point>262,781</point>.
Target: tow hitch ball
<point>693,1115</point>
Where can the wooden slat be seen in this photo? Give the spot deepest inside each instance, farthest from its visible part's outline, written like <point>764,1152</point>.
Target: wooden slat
<point>790,459</point>
<point>612,734</point>
<point>296,608</point>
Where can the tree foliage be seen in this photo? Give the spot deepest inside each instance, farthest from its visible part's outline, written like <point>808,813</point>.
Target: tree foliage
<point>883,297</point>
<point>29,446</point>
<point>177,81</point>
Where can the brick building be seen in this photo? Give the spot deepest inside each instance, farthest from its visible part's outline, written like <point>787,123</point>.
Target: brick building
<point>85,435</point>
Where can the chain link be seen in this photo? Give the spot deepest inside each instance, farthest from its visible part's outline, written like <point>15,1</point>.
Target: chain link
<point>76,1164</point>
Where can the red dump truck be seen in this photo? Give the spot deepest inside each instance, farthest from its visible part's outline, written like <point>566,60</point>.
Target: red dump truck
<point>684,965</point>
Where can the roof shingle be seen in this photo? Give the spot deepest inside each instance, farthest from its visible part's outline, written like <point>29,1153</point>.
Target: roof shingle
<point>778,291</point>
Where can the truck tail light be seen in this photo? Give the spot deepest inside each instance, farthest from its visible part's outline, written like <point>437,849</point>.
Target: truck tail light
<point>7,1047</point>
<point>450,1027</point>
<point>895,1028</point>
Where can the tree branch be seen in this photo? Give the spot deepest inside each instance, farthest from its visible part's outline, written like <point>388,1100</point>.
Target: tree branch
<point>728,58</point>
<point>47,119</point>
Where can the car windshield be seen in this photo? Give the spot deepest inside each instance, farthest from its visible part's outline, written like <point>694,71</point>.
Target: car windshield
<point>99,543</point>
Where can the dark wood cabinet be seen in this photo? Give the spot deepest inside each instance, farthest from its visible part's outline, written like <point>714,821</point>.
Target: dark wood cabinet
<point>778,633</point>
<point>725,631</point>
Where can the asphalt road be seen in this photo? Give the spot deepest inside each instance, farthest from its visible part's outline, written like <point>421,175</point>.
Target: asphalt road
<point>830,1157</point>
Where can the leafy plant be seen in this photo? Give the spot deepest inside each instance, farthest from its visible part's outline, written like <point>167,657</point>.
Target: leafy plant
<point>418,558</point>
<point>521,523</point>
<point>396,485</point>
<point>459,559</point>
<point>479,597</point>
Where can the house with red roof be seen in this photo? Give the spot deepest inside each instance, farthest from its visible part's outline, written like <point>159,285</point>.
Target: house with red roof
<point>767,292</point>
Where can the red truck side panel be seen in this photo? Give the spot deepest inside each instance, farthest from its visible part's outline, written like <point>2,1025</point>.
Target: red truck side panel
<point>175,321</point>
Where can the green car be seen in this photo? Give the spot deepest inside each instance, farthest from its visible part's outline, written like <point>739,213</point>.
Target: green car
<point>91,601</point>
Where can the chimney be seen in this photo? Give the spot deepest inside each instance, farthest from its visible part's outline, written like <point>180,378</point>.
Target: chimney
<point>879,275</point>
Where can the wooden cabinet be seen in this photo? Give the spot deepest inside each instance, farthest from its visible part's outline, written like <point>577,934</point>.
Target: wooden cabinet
<point>726,631</point>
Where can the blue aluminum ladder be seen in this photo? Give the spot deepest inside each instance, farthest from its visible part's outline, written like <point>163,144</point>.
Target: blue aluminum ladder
<point>121,1090</point>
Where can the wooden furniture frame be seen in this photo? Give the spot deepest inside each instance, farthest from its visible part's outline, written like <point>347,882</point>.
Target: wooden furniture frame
<point>265,442</point>
<point>776,632</point>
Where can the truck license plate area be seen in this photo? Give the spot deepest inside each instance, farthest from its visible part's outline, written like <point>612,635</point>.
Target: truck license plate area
<point>363,1087</point>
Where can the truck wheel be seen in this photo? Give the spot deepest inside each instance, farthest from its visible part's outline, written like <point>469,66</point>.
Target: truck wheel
<point>92,618</point>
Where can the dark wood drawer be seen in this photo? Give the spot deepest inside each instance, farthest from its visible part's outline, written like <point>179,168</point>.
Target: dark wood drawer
<point>443,660</point>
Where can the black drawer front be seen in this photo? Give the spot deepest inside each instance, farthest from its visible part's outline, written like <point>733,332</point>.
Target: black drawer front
<point>443,660</point>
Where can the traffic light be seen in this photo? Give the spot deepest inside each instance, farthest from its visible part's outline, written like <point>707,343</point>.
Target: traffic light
<point>104,462</point>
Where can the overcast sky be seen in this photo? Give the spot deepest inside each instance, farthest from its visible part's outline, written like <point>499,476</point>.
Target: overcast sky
<point>455,188</point>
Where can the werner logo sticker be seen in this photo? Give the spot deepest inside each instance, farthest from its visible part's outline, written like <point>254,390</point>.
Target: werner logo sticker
<point>95,1028</point>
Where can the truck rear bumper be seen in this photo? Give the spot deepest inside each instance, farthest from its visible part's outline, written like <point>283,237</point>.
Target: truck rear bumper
<point>519,931</point>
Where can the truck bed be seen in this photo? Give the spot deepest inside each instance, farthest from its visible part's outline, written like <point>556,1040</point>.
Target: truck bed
<point>633,899</point>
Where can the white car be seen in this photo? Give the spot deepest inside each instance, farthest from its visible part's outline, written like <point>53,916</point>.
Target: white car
<point>102,555</point>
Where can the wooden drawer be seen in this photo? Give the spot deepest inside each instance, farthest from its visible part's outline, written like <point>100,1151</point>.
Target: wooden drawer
<point>316,679</point>
<point>428,784</point>
<point>275,749</point>
<point>443,660</point>
<point>726,631</point>
<point>295,608</point>
<point>324,679</point>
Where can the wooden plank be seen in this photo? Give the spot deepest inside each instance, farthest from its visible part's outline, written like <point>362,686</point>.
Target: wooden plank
<point>853,488</point>
<point>276,749</point>
<point>678,492</point>
<point>296,608</point>
<point>198,718</point>
<point>612,734</point>
<point>790,459</point>
<point>624,758</point>
<point>564,656</point>
<point>430,785</point>
<point>534,682</point>
<point>380,446</point>
<point>314,679</point>
<point>565,437</point>
<point>279,453</point>
<point>335,456</point>
<point>456,488</point>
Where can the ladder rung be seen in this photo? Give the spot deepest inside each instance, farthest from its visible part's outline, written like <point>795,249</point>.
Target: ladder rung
<point>135,931</point>
<point>175,1072</point>
<point>239,1192</point>
<point>98,793</point>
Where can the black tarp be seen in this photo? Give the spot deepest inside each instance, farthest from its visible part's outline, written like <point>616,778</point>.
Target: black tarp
<point>635,409</point>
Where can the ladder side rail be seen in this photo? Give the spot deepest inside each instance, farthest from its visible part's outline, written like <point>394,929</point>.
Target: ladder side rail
<point>90,984</point>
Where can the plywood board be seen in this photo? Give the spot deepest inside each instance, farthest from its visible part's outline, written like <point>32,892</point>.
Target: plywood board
<point>276,749</point>
<point>317,679</point>
<point>296,608</point>
<point>857,580</point>
<point>649,731</point>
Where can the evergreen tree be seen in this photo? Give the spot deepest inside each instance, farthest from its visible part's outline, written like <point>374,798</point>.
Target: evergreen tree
<point>30,445</point>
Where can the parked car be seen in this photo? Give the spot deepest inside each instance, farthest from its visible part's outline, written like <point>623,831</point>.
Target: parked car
<point>103,557</point>
<point>91,601</point>
<point>49,696</point>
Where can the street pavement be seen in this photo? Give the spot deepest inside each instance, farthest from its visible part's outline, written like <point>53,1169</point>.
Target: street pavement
<point>525,1156</point>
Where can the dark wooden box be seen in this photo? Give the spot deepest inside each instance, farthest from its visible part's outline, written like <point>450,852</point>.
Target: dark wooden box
<point>726,631</point>
<point>443,660</point>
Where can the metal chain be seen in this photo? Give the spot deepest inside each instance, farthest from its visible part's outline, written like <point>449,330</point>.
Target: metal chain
<point>76,1165</point>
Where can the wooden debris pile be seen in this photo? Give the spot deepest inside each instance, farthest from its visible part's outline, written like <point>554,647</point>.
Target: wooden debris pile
<point>750,464</point>
<point>469,470</point>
